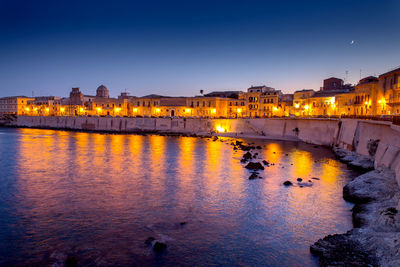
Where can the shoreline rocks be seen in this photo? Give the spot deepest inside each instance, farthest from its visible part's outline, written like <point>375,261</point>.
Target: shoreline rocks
<point>375,238</point>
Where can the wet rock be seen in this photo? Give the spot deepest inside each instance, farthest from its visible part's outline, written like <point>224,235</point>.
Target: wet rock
<point>247,156</point>
<point>370,186</point>
<point>362,163</point>
<point>215,138</point>
<point>182,223</point>
<point>254,166</point>
<point>299,179</point>
<point>342,250</point>
<point>258,147</point>
<point>287,183</point>
<point>253,176</point>
<point>266,163</point>
<point>238,143</point>
<point>286,155</point>
<point>159,246</point>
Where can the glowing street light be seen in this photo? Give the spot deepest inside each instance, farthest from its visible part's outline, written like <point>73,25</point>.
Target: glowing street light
<point>220,129</point>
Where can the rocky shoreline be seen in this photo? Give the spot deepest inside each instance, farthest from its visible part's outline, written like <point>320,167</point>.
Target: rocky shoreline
<point>375,238</point>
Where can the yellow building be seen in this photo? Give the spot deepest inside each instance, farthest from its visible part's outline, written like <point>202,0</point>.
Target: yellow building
<point>263,101</point>
<point>301,102</point>
<point>389,97</point>
<point>366,95</point>
<point>17,105</point>
<point>344,104</point>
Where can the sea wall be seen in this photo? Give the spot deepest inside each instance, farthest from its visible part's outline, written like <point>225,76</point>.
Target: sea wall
<point>351,134</point>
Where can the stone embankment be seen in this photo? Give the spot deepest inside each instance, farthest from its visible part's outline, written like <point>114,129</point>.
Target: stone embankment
<point>370,146</point>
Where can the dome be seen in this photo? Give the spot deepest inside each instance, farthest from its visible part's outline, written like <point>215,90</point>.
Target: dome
<point>102,91</point>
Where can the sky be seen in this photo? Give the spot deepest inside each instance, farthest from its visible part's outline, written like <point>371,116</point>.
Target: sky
<point>180,47</point>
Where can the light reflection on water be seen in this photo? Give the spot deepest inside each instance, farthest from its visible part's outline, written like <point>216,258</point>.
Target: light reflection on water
<point>101,196</point>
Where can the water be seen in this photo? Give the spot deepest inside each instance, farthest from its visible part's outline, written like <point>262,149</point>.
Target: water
<point>99,197</point>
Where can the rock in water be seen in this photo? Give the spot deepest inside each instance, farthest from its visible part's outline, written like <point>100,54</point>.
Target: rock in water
<point>287,183</point>
<point>159,246</point>
<point>299,179</point>
<point>247,156</point>
<point>266,163</point>
<point>254,166</point>
<point>253,176</point>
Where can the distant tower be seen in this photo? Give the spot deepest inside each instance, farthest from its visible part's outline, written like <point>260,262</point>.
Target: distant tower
<point>102,92</point>
<point>76,96</point>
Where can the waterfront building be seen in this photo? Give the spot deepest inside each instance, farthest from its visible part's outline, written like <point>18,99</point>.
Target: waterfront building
<point>371,96</point>
<point>16,105</point>
<point>389,85</point>
<point>263,101</point>
<point>366,95</point>
<point>301,101</point>
<point>44,106</point>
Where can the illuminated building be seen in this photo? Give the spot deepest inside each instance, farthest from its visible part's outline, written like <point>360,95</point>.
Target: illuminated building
<point>16,105</point>
<point>389,99</point>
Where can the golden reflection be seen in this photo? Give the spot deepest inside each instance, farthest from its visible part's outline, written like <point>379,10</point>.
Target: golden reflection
<point>303,163</point>
<point>273,152</point>
<point>330,171</point>
<point>157,155</point>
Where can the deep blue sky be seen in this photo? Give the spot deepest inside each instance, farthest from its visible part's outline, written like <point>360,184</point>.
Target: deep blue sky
<point>179,47</point>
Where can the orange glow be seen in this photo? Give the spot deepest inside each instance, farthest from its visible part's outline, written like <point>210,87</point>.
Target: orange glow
<point>81,109</point>
<point>296,105</point>
<point>98,109</point>
<point>62,109</point>
<point>47,109</point>
<point>214,110</point>
<point>27,109</point>
<point>275,108</point>
<point>239,110</point>
<point>306,107</point>
<point>117,109</point>
<point>220,129</point>
<point>157,110</point>
<point>135,110</point>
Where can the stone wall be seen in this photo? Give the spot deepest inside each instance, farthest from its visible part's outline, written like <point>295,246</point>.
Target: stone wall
<point>351,134</point>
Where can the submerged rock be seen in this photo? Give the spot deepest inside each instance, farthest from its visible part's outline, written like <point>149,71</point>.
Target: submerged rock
<point>159,246</point>
<point>254,166</point>
<point>253,176</point>
<point>299,179</point>
<point>287,183</point>
<point>247,156</point>
<point>266,163</point>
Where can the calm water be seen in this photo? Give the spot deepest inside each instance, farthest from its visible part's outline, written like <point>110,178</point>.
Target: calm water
<point>99,197</point>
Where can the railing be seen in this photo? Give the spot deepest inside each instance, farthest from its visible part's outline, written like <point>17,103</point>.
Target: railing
<point>395,119</point>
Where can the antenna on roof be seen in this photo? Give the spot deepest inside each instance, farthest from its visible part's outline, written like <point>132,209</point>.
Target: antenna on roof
<point>33,93</point>
<point>360,73</point>
<point>345,79</point>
